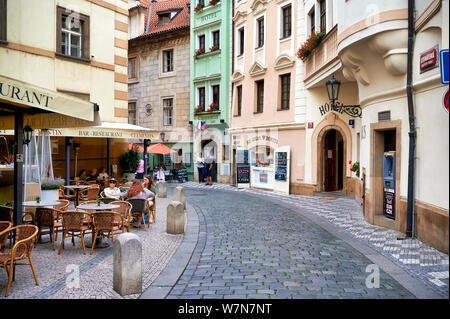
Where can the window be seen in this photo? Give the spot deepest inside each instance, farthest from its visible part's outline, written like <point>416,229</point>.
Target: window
<point>239,100</point>
<point>132,74</point>
<point>259,96</point>
<point>260,35</point>
<point>168,111</point>
<point>216,94</point>
<point>201,41</point>
<point>215,35</point>
<point>285,90</point>
<point>323,15</point>
<point>225,153</point>
<point>3,36</point>
<point>132,113</point>
<point>201,96</point>
<point>167,61</point>
<point>201,2</point>
<point>163,18</point>
<point>72,34</point>
<point>312,18</point>
<point>287,22</point>
<point>241,41</point>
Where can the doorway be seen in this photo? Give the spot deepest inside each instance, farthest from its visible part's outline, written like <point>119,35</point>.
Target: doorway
<point>333,163</point>
<point>209,150</point>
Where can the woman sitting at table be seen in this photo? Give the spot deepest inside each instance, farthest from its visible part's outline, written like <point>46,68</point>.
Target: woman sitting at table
<point>149,183</point>
<point>83,175</point>
<point>103,174</point>
<point>92,175</point>
<point>112,191</point>
<point>137,191</point>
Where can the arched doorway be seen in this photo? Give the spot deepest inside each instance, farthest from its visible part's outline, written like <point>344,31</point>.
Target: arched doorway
<point>210,153</point>
<point>333,161</point>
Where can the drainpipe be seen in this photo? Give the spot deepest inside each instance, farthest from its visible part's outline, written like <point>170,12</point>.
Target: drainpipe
<point>412,128</point>
<point>149,14</point>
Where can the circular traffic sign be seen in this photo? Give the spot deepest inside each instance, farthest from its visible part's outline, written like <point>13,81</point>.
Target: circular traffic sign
<point>445,102</point>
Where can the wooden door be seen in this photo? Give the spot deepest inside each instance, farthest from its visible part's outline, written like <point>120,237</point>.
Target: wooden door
<point>330,161</point>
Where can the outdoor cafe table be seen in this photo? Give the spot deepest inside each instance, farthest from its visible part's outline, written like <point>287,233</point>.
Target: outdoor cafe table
<point>96,207</point>
<point>34,203</point>
<point>77,190</point>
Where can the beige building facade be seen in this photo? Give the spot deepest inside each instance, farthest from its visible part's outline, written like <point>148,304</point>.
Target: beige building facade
<point>366,49</point>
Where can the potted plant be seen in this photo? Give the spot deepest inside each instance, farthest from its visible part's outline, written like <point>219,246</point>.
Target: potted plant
<point>213,2</point>
<point>98,202</point>
<point>50,189</point>
<point>129,161</point>
<point>309,45</point>
<point>199,7</point>
<point>355,167</point>
<point>214,48</point>
<point>38,200</point>
<point>199,52</point>
<point>199,109</point>
<point>213,107</point>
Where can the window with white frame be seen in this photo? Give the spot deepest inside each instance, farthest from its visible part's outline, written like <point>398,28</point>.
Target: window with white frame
<point>201,41</point>
<point>260,32</point>
<point>215,92</point>
<point>132,113</point>
<point>286,21</point>
<point>201,95</point>
<point>168,111</point>
<point>132,68</point>
<point>241,35</point>
<point>215,40</point>
<point>167,56</point>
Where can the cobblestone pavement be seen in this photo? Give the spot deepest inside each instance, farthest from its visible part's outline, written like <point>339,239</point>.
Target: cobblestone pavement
<point>251,247</point>
<point>55,272</point>
<point>418,259</point>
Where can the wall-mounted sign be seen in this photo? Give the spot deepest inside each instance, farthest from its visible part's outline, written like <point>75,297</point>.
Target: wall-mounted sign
<point>351,123</point>
<point>352,110</point>
<point>446,100</point>
<point>429,59</point>
<point>310,124</point>
<point>444,66</point>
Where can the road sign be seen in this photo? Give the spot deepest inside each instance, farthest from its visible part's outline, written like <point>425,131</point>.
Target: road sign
<point>444,66</point>
<point>445,101</point>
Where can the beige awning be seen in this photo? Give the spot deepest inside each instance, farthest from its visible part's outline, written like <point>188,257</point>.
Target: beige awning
<point>44,108</point>
<point>105,130</point>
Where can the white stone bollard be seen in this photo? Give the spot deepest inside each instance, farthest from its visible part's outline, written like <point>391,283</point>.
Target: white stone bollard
<point>127,270</point>
<point>161,189</point>
<point>175,218</point>
<point>179,195</point>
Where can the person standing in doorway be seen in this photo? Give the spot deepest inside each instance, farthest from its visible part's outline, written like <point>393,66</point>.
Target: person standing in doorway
<point>209,170</point>
<point>140,170</point>
<point>200,161</point>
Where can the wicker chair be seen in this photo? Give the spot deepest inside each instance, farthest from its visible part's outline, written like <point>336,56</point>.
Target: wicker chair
<point>106,200</point>
<point>69,196</point>
<point>4,227</point>
<point>125,211</point>
<point>90,193</point>
<point>74,224</point>
<point>48,218</point>
<point>139,208</point>
<point>63,204</point>
<point>105,224</point>
<point>25,237</point>
<point>6,214</point>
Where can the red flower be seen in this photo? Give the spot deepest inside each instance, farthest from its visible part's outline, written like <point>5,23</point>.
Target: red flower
<point>350,162</point>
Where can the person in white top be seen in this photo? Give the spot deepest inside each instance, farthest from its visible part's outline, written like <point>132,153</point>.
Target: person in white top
<point>200,161</point>
<point>160,176</point>
<point>112,191</point>
<point>103,174</point>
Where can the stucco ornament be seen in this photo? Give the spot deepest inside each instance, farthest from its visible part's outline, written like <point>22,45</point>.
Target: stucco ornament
<point>353,67</point>
<point>393,47</point>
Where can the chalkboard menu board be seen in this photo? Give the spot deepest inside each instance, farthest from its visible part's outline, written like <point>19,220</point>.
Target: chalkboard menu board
<point>167,159</point>
<point>282,159</point>
<point>182,175</point>
<point>281,166</point>
<point>243,174</point>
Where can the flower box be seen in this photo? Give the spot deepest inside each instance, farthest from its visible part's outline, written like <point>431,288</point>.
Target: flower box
<point>309,45</point>
<point>49,195</point>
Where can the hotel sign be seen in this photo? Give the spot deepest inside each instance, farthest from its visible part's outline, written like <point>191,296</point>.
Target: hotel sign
<point>208,17</point>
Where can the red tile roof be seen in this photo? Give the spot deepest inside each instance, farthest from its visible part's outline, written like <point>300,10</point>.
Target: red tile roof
<point>180,20</point>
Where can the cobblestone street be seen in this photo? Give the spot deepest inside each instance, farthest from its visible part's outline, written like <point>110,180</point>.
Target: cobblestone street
<point>255,244</point>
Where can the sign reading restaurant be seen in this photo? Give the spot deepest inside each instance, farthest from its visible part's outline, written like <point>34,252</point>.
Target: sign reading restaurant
<point>23,95</point>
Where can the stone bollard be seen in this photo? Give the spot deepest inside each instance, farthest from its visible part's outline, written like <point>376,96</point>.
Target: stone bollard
<point>161,189</point>
<point>179,195</point>
<point>175,218</point>
<point>127,268</point>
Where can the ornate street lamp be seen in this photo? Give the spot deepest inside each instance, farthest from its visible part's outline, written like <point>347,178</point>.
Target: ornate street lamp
<point>333,87</point>
<point>27,134</point>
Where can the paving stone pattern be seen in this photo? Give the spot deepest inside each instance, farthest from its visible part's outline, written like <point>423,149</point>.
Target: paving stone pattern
<point>56,272</point>
<point>418,259</point>
<point>252,248</point>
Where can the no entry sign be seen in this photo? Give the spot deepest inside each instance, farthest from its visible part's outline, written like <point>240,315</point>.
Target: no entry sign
<point>445,101</point>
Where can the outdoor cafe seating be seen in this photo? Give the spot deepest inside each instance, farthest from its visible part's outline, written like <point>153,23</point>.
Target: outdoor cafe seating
<point>25,237</point>
<point>75,224</point>
<point>48,218</point>
<point>4,227</point>
<point>105,224</point>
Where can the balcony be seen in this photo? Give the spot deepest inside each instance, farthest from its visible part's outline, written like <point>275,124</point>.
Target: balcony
<point>321,57</point>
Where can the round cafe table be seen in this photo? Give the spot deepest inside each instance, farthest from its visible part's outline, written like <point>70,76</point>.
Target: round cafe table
<point>101,207</point>
<point>34,203</point>
<point>77,190</point>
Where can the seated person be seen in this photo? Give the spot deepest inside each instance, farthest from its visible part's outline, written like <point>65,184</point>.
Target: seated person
<point>137,191</point>
<point>112,191</point>
<point>83,175</point>
<point>92,175</point>
<point>103,174</point>
<point>149,183</point>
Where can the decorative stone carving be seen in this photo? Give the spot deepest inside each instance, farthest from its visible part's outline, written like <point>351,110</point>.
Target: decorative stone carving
<point>393,47</point>
<point>284,60</point>
<point>257,69</point>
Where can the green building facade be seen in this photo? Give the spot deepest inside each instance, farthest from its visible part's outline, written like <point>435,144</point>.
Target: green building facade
<point>210,83</point>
